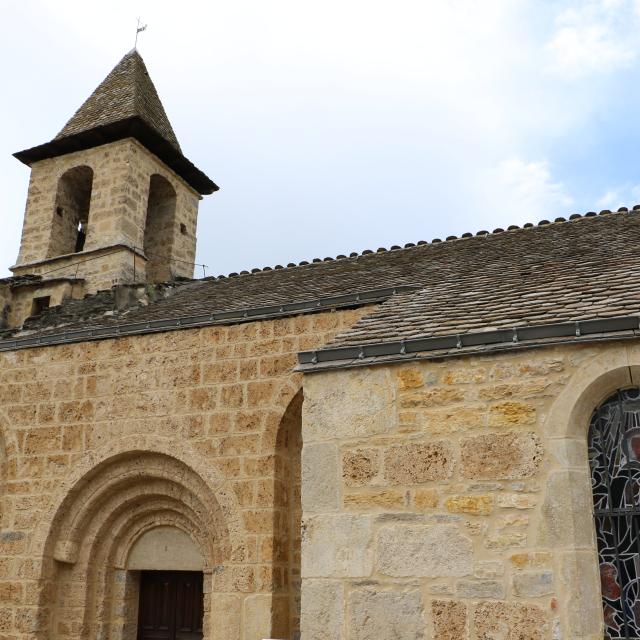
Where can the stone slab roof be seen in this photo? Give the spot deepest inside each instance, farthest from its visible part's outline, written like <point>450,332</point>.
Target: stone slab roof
<point>127,92</point>
<point>564,271</point>
<point>125,105</point>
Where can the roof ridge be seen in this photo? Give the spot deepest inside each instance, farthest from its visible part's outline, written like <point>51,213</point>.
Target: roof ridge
<point>575,217</point>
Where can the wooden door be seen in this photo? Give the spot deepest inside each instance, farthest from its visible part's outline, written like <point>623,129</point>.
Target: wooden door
<point>171,606</point>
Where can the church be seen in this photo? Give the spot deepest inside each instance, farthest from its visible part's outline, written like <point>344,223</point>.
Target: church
<point>439,441</point>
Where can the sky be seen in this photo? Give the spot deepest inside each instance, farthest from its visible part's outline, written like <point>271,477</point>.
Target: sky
<point>345,125</point>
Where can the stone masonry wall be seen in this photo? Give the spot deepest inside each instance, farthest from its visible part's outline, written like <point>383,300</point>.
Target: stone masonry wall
<point>441,502</point>
<point>21,299</point>
<point>195,429</point>
<point>121,177</point>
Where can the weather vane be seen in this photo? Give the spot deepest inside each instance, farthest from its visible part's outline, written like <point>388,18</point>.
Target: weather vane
<point>141,27</point>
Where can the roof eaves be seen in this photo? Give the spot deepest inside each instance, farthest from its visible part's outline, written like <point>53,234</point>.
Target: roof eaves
<point>134,127</point>
<point>355,299</point>
<point>462,344</point>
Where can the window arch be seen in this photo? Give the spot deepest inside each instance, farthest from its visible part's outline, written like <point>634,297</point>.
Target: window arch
<point>71,215</point>
<point>614,459</point>
<point>159,228</point>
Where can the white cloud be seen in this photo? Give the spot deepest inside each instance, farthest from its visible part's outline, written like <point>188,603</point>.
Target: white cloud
<point>626,195</point>
<point>596,36</point>
<point>336,114</point>
<point>528,190</point>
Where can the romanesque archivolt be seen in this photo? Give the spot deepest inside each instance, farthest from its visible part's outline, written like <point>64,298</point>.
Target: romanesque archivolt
<point>100,519</point>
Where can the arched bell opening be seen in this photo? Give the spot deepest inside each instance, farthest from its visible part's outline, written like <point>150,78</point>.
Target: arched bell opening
<point>159,229</point>
<point>71,215</point>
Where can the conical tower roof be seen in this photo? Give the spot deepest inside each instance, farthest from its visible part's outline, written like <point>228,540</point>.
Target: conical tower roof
<point>127,92</point>
<point>125,105</point>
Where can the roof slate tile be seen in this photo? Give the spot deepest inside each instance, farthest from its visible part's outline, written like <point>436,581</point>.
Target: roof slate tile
<point>564,271</point>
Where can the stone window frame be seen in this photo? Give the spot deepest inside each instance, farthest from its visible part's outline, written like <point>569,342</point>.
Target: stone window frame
<point>567,514</point>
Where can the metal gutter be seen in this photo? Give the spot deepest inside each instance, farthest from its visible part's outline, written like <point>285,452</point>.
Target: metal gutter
<point>219,318</point>
<point>527,336</point>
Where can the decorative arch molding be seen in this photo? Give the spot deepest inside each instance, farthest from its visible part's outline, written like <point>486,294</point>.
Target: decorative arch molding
<point>593,382</point>
<point>566,523</point>
<point>180,451</point>
<point>114,496</point>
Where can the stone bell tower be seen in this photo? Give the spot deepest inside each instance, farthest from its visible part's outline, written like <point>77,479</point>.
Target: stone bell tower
<point>112,199</point>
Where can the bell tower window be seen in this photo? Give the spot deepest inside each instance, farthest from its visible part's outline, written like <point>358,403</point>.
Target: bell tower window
<point>73,199</point>
<point>159,229</point>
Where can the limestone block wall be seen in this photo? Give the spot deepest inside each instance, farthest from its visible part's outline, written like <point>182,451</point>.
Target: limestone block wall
<point>21,299</point>
<point>5,305</point>
<point>100,269</point>
<point>450,500</point>
<point>198,430</point>
<point>122,172</point>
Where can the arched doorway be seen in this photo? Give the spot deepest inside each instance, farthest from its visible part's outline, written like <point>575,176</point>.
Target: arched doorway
<point>134,512</point>
<point>167,567</point>
<point>614,459</point>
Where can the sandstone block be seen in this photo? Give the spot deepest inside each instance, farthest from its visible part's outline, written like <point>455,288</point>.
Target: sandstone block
<point>508,414</point>
<point>531,584</point>
<point>375,499</point>
<point>501,455</point>
<point>528,560</point>
<point>425,498</point>
<point>257,616</point>
<point>488,569</point>
<point>465,375</point>
<point>441,589</point>
<point>566,513</point>
<point>449,620</point>
<point>42,440</point>
<point>410,378</point>
<point>431,551</point>
<point>474,505</point>
<point>322,615</point>
<point>583,603</point>
<point>320,477</point>
<point>337,545</point>
<point>386,615</point>
<point>416,463</point>
<point>359,402</point>
<point>431,398</point>
<point>517,500</point>
<point>508,621</point>
<point>459,419</point>
<point>360,466</point>
<point>480,589</point>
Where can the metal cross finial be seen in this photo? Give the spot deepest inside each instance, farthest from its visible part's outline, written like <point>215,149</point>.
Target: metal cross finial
<point>141,27</point>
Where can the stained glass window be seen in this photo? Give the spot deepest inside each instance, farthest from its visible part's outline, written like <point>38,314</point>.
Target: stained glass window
<point>614,458</point>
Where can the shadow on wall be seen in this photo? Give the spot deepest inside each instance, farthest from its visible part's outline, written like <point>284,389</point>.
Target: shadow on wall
<point>287,523</point>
